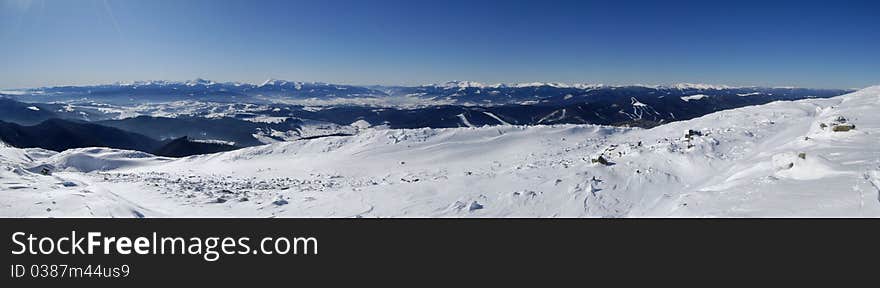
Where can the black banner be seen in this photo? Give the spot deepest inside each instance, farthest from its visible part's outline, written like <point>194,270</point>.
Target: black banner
<point>422,251</point>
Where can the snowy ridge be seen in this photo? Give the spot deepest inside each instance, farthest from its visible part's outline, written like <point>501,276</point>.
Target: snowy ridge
<point>694,97</point>
<point>686,86</point>
<point>479,85</point>
<point>582,86</point>
<point>99,159</point>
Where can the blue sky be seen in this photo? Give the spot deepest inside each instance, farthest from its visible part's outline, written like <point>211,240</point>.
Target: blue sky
<point>773,43</point>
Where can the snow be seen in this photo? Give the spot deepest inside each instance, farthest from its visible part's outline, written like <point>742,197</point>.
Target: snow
<point>269,82</point>
<point>473,84</point>
<point>266,119</point>
<point>771,160</point>
<point>496,118</point>
<point>314,128</point>
<point>176,109</point>
<point>479,85</point>
<point>694,97</point>
<point>361,124</point>
<point>34,108</point>
<point>542,84</point>
<point>199,81</point>
<point>464,120</point>
<point>212,141</point>
<point>640,109</point>
<point>700,86</point>
<point>98,159</point>
<point>13,92</point>
<point>403,101</point>
<point>553,116</point>
<point>308,129</point>
<point>462,85</point>
<point>635,102</point>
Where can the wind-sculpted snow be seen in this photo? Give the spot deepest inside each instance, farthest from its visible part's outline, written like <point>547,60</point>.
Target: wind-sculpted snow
<point>29,190</point>
<point>98,159</point>
<point>815,157</point>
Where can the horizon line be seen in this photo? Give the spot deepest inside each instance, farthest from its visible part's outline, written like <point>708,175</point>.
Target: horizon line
<point>467,83</point>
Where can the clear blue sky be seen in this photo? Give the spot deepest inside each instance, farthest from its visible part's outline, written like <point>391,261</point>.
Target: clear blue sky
<point>790,43</point>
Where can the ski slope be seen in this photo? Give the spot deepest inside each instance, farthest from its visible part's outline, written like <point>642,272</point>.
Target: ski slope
<point>773,160</point>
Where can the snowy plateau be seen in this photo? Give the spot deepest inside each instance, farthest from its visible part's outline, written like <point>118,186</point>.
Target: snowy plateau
<point>805,158</point>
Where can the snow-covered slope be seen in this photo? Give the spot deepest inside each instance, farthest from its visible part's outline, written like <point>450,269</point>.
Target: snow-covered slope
<point>26,191</point>
<point>781,159</point>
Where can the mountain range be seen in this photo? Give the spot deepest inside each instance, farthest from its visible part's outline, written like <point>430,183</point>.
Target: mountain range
<point>276,110</point>
<point>454,92</point>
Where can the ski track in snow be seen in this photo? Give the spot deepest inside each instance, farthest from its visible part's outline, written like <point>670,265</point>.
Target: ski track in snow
<point>502,122</point>
<point>464,120</point>
<point>759,161</point>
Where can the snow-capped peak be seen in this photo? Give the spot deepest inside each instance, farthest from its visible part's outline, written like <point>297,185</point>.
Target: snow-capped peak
<point>141,83</point>
<point>462,84</point>
<point>296,84</point>
<point>270,81</point>
<point>473,84</point>
<point>582,86</point>
<point>199,81</point>
<point>588,86</point>
<point>541,84</point>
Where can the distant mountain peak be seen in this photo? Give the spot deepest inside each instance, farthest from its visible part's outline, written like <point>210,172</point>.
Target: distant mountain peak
<point>280,82</point>
<point>199,81</point>
<point>462,84</point>
<point>269,82</point>
<point>699,86</point>
<point>473,84</point>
